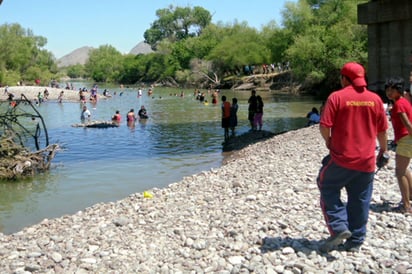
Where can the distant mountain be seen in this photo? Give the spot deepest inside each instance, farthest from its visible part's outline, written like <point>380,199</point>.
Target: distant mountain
<point>78,56</point>
<point>141,48</point>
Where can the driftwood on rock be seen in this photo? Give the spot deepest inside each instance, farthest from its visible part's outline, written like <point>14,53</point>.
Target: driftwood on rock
<point>21,128</point>
<point>97,124</point>
<point>16,161</point>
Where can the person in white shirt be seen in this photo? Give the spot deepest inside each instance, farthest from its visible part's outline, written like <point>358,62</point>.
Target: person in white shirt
<point>85,115</point>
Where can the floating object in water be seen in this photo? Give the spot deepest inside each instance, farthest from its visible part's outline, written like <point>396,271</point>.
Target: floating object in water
<point>147,194</point>
<point>97,124</point>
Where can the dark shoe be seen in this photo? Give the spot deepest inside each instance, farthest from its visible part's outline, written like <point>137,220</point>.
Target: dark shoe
<point>335,240</point>
<point>350,246</point>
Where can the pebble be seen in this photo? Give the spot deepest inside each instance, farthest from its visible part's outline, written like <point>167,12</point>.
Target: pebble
<point>258,213</point>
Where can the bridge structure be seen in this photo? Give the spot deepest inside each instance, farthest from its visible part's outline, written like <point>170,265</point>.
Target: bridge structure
<point>389,25</point>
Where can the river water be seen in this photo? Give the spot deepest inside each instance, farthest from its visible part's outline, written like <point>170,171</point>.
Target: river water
<point>181,137</point>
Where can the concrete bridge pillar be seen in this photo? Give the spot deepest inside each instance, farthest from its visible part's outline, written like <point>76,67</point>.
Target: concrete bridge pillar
<point>389,40</point>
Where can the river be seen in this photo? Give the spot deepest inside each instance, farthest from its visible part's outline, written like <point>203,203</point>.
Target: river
<point>181,137</point>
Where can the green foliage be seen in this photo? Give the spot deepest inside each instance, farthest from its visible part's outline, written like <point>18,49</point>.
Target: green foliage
<point>239,47</point>
<point>277,40</point>
<point>22,56</point>
<point>104,64</point>
<point>10,77</point>
<point>183,76</point>
<point>133,68</point>
<point>177,23</point>
<point>317,37</point>
<point>76,71</point>
<point>326,35</point>
<point>297,17</point>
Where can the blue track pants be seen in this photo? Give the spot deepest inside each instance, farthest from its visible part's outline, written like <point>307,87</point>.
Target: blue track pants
<point>359,186</point>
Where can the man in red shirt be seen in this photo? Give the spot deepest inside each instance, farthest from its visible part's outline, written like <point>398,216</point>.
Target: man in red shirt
<point>351,122</point>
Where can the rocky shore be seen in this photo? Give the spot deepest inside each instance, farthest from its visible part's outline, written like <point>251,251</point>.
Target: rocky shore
<point>258,213</point>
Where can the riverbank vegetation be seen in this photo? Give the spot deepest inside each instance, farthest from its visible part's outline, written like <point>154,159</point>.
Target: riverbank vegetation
<point>315,38</point>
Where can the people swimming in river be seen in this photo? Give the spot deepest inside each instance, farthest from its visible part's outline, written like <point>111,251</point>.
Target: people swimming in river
<point>60,98</point>
<point>131,117</point>
<point>93,94</point>
<point>85,115</point>
<point>10,96</point>
<point>215,94</point>
<point>40,97</point>
<point>106,93</point>
<point>117,118</point>
<point>46,94</point>
<point>82,95</point>
<point>143,113</point>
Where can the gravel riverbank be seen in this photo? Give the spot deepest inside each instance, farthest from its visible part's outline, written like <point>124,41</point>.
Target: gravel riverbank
<point>259,213</point>
<point>31,93</point>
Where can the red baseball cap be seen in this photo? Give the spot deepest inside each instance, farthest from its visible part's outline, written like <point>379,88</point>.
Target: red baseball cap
<point>355,72</point>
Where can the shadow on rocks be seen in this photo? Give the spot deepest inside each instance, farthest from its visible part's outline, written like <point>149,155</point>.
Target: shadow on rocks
<point>246,139</point>
<point>385,206</point>
<point>290,245</point>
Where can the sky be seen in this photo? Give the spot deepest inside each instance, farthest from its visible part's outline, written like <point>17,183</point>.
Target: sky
<point>69,25</point>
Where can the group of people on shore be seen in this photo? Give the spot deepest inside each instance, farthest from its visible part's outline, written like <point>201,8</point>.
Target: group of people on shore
<point>229,114</point>
<point>352,120</point>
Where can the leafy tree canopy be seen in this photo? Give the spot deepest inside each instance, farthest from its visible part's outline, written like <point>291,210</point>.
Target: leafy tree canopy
<point>22,57</point>
<point>103,64</point>
<point>324,34</point>
<point>177,23</point>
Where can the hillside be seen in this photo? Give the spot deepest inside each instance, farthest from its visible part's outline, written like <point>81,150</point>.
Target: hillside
<point>80,55</point>
<point>141,48</point>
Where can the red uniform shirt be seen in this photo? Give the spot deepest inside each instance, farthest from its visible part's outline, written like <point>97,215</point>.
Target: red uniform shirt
<point>400,106</point>
<point>226,109</point>
<point>355,119</point>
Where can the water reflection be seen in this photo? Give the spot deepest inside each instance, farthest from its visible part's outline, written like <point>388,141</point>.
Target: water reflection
<point>181,137</point>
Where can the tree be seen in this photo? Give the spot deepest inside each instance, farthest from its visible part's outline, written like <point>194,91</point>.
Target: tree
<point>76,71</point>
<point>203,72</point>
<point>22,56</point>
<point>277,40</point>
<point>297,17</point>
<point>104,64</point>
<point>177,23</point>
<point>241,46</point>
<point>326,35</point>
